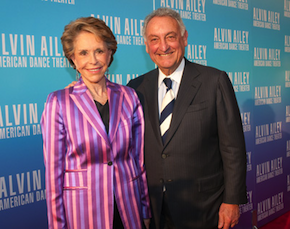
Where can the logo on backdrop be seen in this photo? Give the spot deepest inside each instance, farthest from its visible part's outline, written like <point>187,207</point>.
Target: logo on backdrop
<point>249,161</point>
<point>266,19</point>
<point>70,2</point>
<point>287,8</point>
<point>269,169</point>
<point>264,57</point>
<point>128,31</point>
<point>265,95</point>
<point>268,132</point>
<point>287,78</point>
<point>288,148</point>
<point>269,206</point>
<point>246,121</point>
<point>240,81</point>
<point>287,43</point>
<point>239,4</point>
<point>288,113</point>
<point>118,78</point>
<point>21,189</point>
<point>248,206</point>
<point>24,51</point>
<point>19,120</point>
<point>197,54</point>
<point>188,9</point>
<point>228,39</point>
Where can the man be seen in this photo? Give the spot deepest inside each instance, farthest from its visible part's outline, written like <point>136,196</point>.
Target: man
<point>197,176</point>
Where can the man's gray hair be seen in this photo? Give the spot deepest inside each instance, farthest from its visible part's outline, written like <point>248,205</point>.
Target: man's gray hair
<point>163,12</point>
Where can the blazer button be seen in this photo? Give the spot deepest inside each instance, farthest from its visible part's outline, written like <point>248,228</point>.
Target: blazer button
<point>164,156</point>
<point>110,163</point>
<point>161,181</point>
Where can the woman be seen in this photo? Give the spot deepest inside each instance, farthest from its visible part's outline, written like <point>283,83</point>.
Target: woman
<point>93,140</point>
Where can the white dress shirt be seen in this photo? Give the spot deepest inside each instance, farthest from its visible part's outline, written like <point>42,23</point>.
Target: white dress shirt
<point>176,79</point>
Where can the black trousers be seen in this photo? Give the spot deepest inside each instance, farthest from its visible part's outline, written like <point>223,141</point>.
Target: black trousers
<point>166,221</point>
<point>117,222</point>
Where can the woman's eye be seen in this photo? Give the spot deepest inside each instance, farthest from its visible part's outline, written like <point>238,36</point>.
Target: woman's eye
<point>83,53</point>
<point>99,51</point>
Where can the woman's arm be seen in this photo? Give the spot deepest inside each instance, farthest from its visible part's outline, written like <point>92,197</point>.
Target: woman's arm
<point>54,133</point>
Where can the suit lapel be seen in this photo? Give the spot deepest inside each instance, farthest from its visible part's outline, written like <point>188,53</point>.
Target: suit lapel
<point>85,103</point>
<point>151,92</point>
<point>115,98</point>
<point>188,88</point>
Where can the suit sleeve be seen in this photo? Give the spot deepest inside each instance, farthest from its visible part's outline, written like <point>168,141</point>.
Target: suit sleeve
<point>231,141</point>
<point>138,148</point>
<point>53,133</point>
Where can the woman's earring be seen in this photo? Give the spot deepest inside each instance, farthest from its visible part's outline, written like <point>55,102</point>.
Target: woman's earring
<point>77,75</point>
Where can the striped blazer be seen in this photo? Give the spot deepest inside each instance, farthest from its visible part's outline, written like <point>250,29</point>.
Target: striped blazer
<point>86,167</point>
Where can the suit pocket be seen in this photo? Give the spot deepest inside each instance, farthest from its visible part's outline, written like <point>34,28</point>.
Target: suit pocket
<point>197,107</point>
<point>211,182</point>
<point>75,179</point>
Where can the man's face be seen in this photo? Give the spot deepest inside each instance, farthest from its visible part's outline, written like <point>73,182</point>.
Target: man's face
<point>164,43</point>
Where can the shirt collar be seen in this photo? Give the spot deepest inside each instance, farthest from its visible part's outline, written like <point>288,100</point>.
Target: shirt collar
<point>175,76</point>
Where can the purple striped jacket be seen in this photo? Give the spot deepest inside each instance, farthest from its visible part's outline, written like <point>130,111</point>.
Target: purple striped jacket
<point>86,167</point>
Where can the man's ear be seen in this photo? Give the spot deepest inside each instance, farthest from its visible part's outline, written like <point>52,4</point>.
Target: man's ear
<point>185,36</point>
<point>146,45</point>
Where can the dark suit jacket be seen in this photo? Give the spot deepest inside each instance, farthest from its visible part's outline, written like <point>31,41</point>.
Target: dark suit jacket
<point>203,161</point>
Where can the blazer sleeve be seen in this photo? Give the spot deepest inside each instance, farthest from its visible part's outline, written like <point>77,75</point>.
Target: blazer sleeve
<point>138,152</point>
<point>231,142</point>
<point>54,147</point>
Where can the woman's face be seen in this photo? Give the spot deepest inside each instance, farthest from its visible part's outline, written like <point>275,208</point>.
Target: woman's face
<point>91,57</point>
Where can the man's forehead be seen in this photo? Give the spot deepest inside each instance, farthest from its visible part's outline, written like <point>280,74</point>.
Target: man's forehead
<point>155,28</point>
<point>152,34</point>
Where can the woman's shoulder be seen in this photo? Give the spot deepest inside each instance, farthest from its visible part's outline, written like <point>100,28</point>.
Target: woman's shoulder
<point>59,94</point>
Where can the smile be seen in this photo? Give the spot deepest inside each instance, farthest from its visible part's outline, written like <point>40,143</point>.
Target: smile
<point>167,54</point>
<point>95,69</point>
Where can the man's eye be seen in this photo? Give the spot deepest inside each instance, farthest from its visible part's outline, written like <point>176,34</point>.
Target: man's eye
<point>171,37</point>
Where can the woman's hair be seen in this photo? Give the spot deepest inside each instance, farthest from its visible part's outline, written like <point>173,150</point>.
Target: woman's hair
<point>91,25</point>
<point>164,12</point>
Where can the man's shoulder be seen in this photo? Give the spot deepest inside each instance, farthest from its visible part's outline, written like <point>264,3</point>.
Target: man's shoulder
<point>202,68</point>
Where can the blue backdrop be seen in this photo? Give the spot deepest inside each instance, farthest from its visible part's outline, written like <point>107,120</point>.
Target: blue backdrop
<point>250,40</point>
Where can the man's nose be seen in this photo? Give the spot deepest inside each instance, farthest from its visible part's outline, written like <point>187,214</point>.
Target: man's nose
<point>163,46</point>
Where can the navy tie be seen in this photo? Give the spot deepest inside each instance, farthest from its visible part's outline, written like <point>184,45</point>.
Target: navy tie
<point>166,109</point>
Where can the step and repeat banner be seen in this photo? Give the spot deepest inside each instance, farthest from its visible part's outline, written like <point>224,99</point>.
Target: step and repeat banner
<point>249,39</point>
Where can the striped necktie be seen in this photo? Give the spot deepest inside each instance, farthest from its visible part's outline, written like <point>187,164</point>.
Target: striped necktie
<point>166,109</point>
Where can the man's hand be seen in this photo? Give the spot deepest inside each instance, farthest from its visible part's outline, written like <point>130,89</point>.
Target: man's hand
<point>146,223</point>
<point>71,84</point>
<point>229,215</point>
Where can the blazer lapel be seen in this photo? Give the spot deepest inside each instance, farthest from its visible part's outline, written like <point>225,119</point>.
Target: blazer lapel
<point>151,88</point>
<point>85,103</point>
<point>188,88</point>
<point>115,97</point>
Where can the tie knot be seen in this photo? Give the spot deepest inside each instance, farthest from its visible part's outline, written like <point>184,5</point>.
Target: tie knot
<point>168,83</point>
